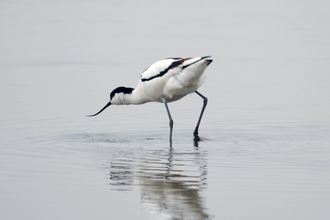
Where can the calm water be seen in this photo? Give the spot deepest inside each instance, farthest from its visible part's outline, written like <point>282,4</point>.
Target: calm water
<point>266,130</point>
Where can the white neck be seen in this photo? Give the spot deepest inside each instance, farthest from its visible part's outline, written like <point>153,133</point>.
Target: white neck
<point>134,98</point>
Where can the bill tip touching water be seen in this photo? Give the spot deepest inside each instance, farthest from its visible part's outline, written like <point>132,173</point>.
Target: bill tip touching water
<point>167,80</point>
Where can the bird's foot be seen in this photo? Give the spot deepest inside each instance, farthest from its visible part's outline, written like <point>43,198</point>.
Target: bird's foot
<point>196,137</point>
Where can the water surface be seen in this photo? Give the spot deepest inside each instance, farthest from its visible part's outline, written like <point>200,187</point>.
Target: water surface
<point>265,150</point>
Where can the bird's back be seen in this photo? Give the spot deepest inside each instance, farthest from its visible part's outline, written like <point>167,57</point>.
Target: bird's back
<point>172,78</point>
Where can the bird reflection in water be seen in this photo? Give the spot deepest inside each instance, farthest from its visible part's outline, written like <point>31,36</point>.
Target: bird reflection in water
<point>170,181</point>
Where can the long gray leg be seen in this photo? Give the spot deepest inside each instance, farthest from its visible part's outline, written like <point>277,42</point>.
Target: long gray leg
<point>170,118</point>
<point>197,138</point>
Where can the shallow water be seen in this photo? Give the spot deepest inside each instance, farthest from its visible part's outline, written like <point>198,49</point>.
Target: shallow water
<point>265,150</point>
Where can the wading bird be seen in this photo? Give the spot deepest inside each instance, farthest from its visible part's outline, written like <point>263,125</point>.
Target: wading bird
<point>165,81</point>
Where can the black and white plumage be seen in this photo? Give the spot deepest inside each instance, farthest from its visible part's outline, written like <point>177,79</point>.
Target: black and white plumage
<point>165,81</point>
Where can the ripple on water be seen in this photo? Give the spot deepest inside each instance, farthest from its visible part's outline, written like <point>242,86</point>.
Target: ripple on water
<point>171,181</point>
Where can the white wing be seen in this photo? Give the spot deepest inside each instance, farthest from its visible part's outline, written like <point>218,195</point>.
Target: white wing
<point>160,68</point>
<point>174,66</point>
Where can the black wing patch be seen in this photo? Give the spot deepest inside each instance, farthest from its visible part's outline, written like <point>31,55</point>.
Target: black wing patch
<point>202,58</point>
<point>162,73</point>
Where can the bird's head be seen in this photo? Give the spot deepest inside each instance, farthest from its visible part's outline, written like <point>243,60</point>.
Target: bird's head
<point>117,97</point>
